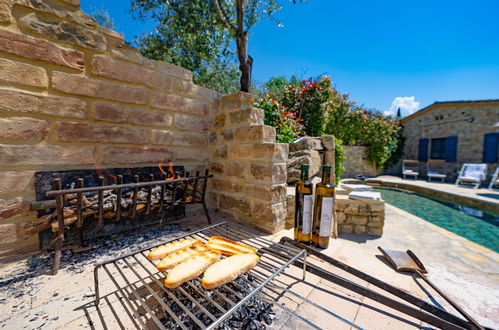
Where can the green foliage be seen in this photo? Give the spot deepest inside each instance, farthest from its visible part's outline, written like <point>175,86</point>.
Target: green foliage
<point>102,17</point>
<point>188,34</point>
<point>324,111</point>
<point>339,157</point>
<point>285,122</point>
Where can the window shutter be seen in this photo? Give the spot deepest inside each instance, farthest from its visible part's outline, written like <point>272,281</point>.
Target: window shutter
<point>490,147</point>
<point>451,149</point>
<point>423,150</point>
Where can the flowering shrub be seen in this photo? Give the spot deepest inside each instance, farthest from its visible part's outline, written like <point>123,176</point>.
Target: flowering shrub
<point>315,108</point>
<point>286,123</point>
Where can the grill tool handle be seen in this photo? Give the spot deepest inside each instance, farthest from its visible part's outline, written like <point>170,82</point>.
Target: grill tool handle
<point>449,300</point>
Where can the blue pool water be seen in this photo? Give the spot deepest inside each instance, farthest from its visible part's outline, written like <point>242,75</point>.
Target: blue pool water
<point>475,225</point>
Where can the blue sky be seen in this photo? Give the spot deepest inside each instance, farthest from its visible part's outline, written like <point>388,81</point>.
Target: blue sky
<point>408,53</point>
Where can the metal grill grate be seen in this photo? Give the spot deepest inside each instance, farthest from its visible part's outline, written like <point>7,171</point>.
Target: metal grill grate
<point>140,284</point>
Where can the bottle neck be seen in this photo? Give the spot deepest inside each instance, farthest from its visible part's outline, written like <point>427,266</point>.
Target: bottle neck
<point>326,177</point>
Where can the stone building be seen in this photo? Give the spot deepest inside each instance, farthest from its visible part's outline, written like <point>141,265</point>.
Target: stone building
<point>452,133</point>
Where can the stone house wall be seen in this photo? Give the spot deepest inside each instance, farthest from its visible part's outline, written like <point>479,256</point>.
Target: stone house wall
<point>356,162</point>
<point>74,95</point>
<point>469,121</point>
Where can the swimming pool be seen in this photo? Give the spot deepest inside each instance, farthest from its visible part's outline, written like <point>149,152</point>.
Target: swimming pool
<point>475,225</point>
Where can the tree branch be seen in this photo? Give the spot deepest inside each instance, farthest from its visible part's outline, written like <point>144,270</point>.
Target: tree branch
<point>222,16</point>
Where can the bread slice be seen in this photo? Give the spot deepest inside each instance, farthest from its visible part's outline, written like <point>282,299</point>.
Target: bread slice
<point>177,257</point>
<point>190,268</point>
<point>228,269</point>
<point>162,251</point>
<point>228,247</point>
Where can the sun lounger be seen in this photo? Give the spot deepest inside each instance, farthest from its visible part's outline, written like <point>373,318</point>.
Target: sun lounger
<point>495,179</point>
<point>432,172</point>
<point>472,174</point>
<point>409,167</point>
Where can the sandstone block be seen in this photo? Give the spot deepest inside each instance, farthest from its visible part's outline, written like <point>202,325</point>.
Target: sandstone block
<point>255,133</point>
<point>227,135</point>
<point>346,229</point>
<point>220,152</point>
<point>180,104</point>
<point>189,123</point>
<point>46,155</point>
<point>376,219</point>
<point>41,50</point>
<point>77,131</point>
<point>205,93</point>
<point>111,68</point>
<point>268,172</point>
<point>14,181</point>
<point>8,233</point>
<point>264,151</point>
<point>328,142</point>
<point>329,159</point>
<point>377,207</point>
<point>217,167</point>
<point>178,138</point>
<point>126,52</point>
<point>359,229</point>
<point>236,101</point>
<point>11,207</point>
<point>306,143</point>
<point>75,3</point>
<point>303,157</point>
<point>290,217</point>
<point>352,209</point>
<point>227,186</point>
<point>228,202</point>
<point>110,112</point>
<point>149,117</point>
<point>267,193</point>
<point>359,220</point>
<point>61,10</point>
<point>5,9</point>
<point>172,70</point>
<point>41,104</point>
<point>136,155</point>
<point>198,155</point>
<point>23,128</point>
<point>269,216</point>
<point>375,231</point>
<point>251,116</point>
<point>219,121</point>
<point>64,30</point>
<point>236,169</point>
<point>23,74</point>
<point>79,85</point>
<point>340,217</point>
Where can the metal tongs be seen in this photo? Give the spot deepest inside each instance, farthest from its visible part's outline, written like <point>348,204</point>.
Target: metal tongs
<point>409,262</point>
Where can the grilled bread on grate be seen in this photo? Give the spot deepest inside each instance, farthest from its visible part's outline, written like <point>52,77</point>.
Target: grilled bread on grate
<point>177,257</point>
<point>228,269</point>
<point>228,247</point>
<point>162,251</point>
<point>190,268</point>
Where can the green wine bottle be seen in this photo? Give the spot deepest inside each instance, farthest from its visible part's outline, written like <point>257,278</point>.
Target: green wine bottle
<point>303,207</point>
<point>323,210</point>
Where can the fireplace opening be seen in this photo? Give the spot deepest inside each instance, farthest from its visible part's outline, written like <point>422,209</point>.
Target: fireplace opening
<point>75,206</point>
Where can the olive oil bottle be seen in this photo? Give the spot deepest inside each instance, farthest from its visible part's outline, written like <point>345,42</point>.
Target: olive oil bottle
<point>303,207</point>
<point>323,210</point>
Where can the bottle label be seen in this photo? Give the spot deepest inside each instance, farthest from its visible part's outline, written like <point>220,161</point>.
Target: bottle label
<point>307,214</point>
<point>326,217</point>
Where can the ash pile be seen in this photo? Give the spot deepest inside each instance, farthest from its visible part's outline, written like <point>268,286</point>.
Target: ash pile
<point>255,314</point>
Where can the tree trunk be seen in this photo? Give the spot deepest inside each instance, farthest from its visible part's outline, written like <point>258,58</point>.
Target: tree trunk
<point>246,68</point>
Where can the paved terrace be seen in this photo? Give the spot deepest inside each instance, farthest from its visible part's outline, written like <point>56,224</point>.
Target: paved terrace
<point>466,271</point>
<point>480,198</point>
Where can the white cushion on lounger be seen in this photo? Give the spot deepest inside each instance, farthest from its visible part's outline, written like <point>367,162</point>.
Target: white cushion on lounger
<point>357,187</point>
<point>365,195</point>
<point>410,172</point>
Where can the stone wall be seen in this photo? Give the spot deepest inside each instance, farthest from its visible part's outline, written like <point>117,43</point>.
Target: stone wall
<point>469,121</point>
<point>312,151</point>
<point>249,168</point>
<point>356,162</point>
<point>74,95</point>
<point>359,216</point>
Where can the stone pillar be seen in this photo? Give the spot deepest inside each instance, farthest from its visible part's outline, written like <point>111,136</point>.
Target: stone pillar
<point>249,168</point>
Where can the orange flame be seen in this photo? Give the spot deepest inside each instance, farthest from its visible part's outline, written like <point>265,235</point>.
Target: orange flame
<point>170,172</point>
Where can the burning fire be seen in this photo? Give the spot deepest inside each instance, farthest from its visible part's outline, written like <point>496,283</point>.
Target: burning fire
<point>171,174</point>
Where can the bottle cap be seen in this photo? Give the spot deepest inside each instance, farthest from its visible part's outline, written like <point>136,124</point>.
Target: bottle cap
<point>305,167</point>
<point>326,168</point>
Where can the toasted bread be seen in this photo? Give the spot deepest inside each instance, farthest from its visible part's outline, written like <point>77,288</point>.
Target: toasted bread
<point>190,268</point>
<point>228,247</point>
<point>228,269</point>
<point>177,257</point>
<point>162,251</point>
